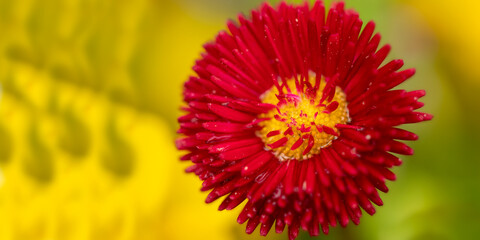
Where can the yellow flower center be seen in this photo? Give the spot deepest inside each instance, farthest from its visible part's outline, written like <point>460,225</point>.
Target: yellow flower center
<point>300,126</point>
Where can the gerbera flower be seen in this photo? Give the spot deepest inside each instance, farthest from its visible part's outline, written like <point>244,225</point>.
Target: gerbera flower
<point>291,111</point>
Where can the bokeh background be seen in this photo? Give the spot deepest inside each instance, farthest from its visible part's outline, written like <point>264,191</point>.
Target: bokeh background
<point>90,92</point>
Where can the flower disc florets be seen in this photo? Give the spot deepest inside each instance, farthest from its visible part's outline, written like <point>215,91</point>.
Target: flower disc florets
<point>292,110</point>
<point>303,121</point>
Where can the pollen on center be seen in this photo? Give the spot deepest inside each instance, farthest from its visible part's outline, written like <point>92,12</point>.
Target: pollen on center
<point>305,118</point>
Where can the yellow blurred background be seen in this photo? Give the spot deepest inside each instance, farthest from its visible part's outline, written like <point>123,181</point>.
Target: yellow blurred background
<point>90,92</point>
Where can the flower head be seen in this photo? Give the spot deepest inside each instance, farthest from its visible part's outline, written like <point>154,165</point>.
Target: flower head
<point>292,111</point>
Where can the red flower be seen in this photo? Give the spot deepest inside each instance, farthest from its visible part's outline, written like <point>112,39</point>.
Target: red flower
<point>292,111</point>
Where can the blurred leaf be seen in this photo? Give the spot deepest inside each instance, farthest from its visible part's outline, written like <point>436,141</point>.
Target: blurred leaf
<point>38,163</point>
<point>118,158</point>
<point>75,137</point>
<point>6,145</point>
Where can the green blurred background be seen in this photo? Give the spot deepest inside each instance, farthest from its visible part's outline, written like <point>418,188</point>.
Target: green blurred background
<point>90,96</point>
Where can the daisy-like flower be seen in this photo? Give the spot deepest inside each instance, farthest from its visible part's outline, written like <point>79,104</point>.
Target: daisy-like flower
<point>292,111</point>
